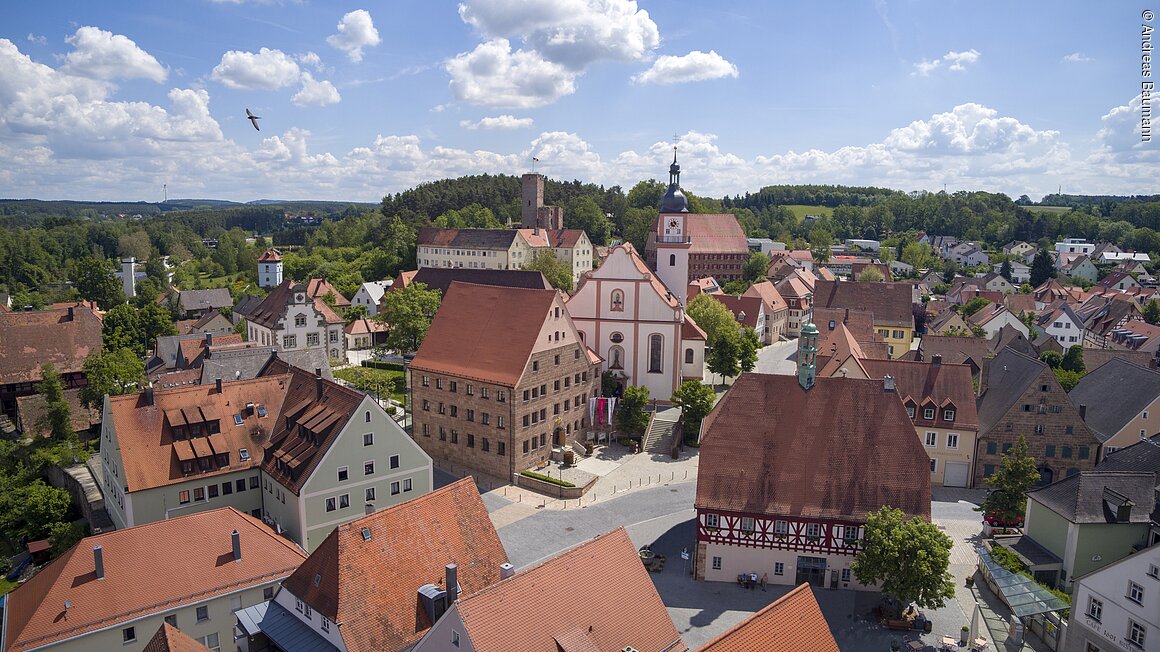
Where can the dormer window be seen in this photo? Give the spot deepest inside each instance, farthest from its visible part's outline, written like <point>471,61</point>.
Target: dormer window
<point>948,415</point>
<point>928,413</point>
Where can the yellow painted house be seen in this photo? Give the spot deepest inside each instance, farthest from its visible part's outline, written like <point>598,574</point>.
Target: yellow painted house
<point>890,303</point>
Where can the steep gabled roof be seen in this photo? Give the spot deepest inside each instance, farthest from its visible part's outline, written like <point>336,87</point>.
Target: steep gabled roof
<point>502,339</point>
<point>317,288</point>
<point>712,234</point>
<point>441,278</point>
<point>1093,496</point>
<point>467,238</point>
<point>939,383</point>
<point>314,411</point>
<point>792,623</point>
<point>769,294</point>
<point>369,570</point>
<point>523,612</point>
<point>204,299</point>
<point>30,339</point>
<point>1007,377</point>
<point>749,306</point>
<point>194,552</point>
<point>170,639</point>
<point>890,302</point>
<point>763,461</point>
<point>1115,394</point>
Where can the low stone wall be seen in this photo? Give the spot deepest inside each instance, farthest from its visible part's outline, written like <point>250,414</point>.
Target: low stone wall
<point>554,490</point>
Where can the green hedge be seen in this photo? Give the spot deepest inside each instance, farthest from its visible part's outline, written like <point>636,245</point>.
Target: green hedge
<point>547,478</point>
<point>380,364</point>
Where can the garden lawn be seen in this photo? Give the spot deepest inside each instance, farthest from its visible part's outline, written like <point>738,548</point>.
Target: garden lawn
<point>382,381</point>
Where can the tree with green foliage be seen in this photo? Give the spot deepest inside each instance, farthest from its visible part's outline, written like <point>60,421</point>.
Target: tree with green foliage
<point>585,214</point>
<point>735,287</point>
<point>1009,484</point>
<point>63,536</point>
<point>725,354</point>
<point>30,509</point>
<point>918,254</point>
<point>1051,358</point>
<point>112,372</point>
<point>1042,268</point>
<point>712,316</point>
<point>637,223</point>
<point>354,313</point>
<point>407,314</point>
<point>608,384</point>
<point>1152,312</point>
<point>749,344</point>
<point>96,280</point>
<point>950,271</point>
<point>907,557</point>
<point>695,400</point>
<point>974,305</point>
<point>57,418</point>
<point>756,267</point>
<point>1005,270</point>
<point>630,409</point>
<point>1067,379</point>
<point>1073,359</point>
<point>820,241</point>
<point>558,273</point>
<point>871,275</point>
<point>127,327</point>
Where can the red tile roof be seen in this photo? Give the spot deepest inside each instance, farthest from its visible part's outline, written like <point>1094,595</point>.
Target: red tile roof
<point>170,639</point>
<point>749,305</point>
<point>317,288</point>
<point>33,409</point>
<point>192,552</point>
<point>502,340</point>
<point>270,256</point>
<point>370,585</point>
<point>150,454</point>
<point>768,293</point>
<point>890,302</point>
<point>714,234</point>
<point>920,381</point>
<point>272,309</point>
<point>767,460</point>
<point>364,326</point>
<point>792,623</point>
<point>525,611</point>
<point>554,238</point>
<point>30,339</point>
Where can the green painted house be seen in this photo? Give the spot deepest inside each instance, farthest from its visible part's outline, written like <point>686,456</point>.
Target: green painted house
<point>1083,523</point>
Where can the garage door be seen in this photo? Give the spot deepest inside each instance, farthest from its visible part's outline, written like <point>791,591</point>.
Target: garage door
<point>955,474</point>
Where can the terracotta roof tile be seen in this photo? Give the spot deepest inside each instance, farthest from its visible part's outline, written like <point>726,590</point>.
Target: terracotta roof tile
<point>317,288</point>
<point>750,306</point>
<point>270,256</point>
<point>305,436</point>
<point>146,437</point>
<point>502,340</point>
<point>524,612</point>
<point>371,585</point>
<point>713,234</point>
<point>170,639</point>
<point>890,302</point>
<point>764,461</point>
<point>364,326</point>
<point>923,380</point>
<point>768,293</point>
<point>441,278</point>
<point>30,339</point>
<point>193,551</point>
<point>792,623</point>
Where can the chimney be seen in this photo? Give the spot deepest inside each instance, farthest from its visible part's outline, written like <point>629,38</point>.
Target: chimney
<point>99,562</point>
<point>918,354</point>
<point>236,542</point>
<point>208,340</point>
<point>846,319</point>
<point>318,384</point>
<point>1083,411</point>
<point>936,359</point>
<point>70,313</point>
<point>452,583</point>
<point>888,383</point>
<point>217,383</point>
<point>149,394</point>
<point>370,509</point>
<point>506,570</point>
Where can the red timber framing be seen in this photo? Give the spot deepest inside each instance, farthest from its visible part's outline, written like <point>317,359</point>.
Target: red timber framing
<point>824,536</point>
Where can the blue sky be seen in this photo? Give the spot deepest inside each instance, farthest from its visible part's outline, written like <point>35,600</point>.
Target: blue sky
<point>111,100</point>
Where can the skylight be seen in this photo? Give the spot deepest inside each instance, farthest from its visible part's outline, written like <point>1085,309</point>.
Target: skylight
<point>366,534</point>
<point>244,454</point>
<point>237,419</point>
<point>261,410</point>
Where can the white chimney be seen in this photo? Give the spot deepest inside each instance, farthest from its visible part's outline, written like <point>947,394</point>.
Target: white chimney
<point>128,281</point>
<point>506,570</point>
<point>888,383</point>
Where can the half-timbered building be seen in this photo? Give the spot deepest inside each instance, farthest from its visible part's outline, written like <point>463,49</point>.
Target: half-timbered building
<point>790,468</point>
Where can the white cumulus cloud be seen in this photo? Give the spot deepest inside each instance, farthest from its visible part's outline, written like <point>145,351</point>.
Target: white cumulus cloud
<point>493,75</point>
<point>38,40</point>
<point>498,122</point>
<point>316,93</point>
<point>264,70</point>
<point>956,61</point>
<point>356,31</point>
<point>104,55</point>
<point>694,66</point>
<point>1077,57</point>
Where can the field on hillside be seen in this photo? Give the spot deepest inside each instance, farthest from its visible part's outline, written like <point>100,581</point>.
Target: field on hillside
<point>801,211</point>
<point>1048,209</point>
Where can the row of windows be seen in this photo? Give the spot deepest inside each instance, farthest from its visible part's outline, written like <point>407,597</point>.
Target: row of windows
<point>748,524</point>
<point>892,334</point>
<point>1065,452</point>
<point>342,501</point>
<point>209,492</point>
<point>1136,633</point>
<point>928,413</point>
<point>469,389</point>
<point>368,468</point>
<point>952,440</point>
<point>500,446</point>
<point>312,339</point>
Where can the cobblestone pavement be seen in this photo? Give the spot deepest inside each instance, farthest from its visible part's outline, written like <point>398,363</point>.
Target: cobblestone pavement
<point>778,358</point>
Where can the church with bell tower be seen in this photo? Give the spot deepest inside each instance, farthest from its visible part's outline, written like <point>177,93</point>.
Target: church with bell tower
<point>683,246</point>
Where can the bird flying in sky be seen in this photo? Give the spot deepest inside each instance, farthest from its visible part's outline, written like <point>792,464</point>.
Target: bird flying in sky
<point>253,119</point>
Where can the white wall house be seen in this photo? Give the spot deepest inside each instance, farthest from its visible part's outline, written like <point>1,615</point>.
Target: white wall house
<point>369,295</point>
<point>1118,606</point>
<point>291,320</point>
<point>630,318</point>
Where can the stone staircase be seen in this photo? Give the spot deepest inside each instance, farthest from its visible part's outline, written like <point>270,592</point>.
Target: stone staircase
<point>658,440</point>
<point>7,428</point>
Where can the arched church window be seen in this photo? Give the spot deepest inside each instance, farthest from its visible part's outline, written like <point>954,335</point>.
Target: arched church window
<point>672,260</point>
<point>655,346</point>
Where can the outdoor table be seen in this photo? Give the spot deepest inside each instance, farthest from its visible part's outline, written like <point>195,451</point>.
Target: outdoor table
<point>917,646</point>
<point>980,644</point>
<point>949,643</point>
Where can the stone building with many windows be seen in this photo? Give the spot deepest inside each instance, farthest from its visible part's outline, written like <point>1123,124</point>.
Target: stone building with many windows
<point>291,319</point>
<point>502,397</point>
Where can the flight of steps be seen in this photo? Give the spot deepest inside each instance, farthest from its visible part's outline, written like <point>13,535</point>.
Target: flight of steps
<point>658,440</point>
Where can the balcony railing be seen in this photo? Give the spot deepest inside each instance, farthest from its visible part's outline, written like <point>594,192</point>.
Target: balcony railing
<point>673,239</point>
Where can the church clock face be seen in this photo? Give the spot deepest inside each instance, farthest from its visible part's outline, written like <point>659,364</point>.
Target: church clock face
<point>673,226</point>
